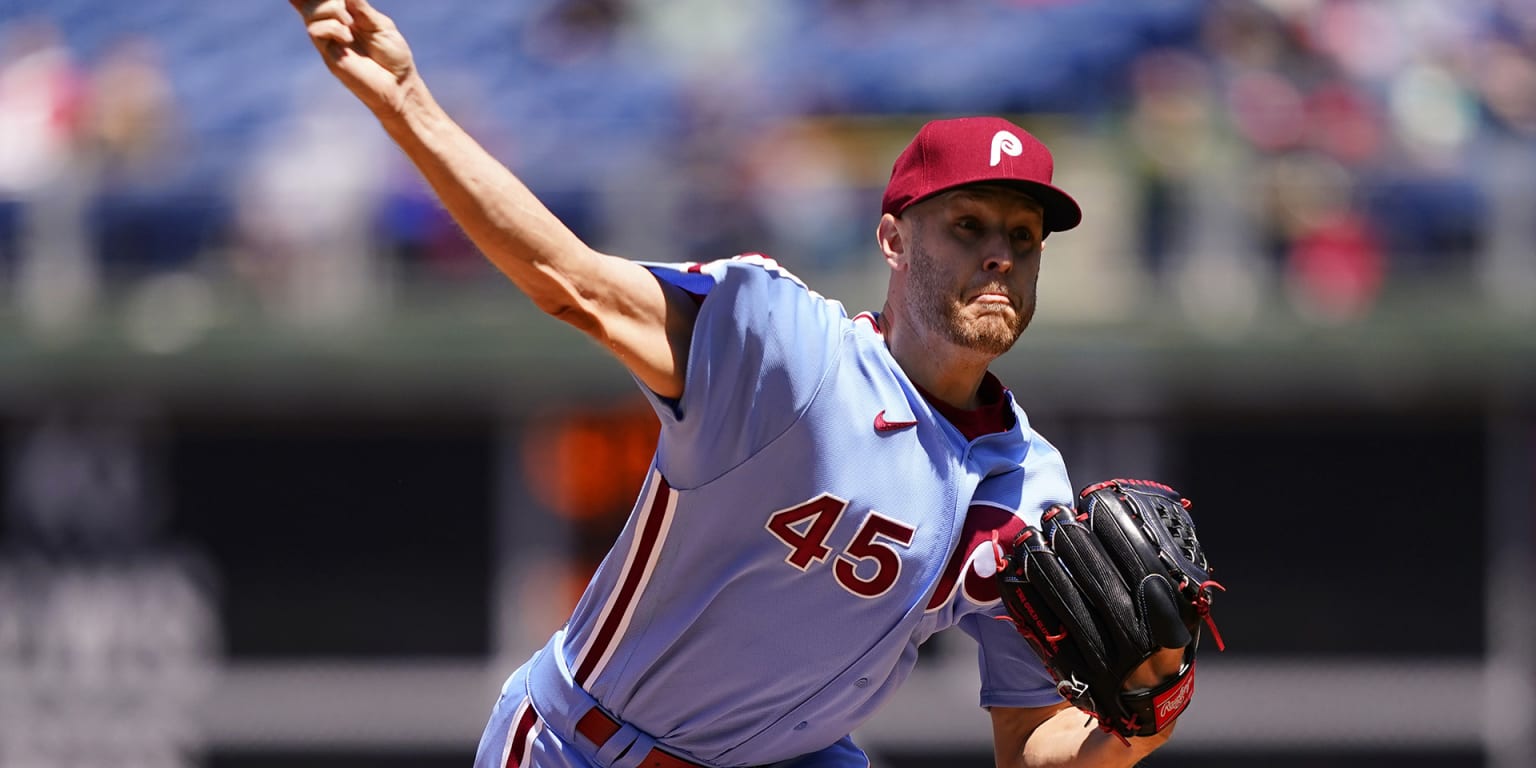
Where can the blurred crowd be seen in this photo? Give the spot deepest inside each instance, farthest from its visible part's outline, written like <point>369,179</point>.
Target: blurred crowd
<point>1321,150</point>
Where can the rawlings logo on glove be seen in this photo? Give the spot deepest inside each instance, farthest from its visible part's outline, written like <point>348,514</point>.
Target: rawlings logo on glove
<point>1098,590</point>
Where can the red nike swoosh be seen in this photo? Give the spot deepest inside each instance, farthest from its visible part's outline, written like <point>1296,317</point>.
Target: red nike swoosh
<point>881,425</point>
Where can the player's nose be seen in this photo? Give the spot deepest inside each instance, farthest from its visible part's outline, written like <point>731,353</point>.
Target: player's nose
<point>997,254</point>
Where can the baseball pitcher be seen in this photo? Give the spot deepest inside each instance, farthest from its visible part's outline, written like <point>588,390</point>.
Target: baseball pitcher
<point>828,491</point>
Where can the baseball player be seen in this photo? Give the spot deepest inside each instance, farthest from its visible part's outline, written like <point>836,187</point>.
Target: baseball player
<point>820,482</point>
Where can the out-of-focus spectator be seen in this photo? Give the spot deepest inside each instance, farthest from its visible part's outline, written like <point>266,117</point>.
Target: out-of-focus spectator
<point>39,100</point>
<point>132,122</point>
<point>1333,262</point>
<point>1173,130</point>
<point>151,211</point>
<point>569,32</point>
<point>1506,83</point>
<point>1343,123</point>
<point>575,31</point>
<point>711,212</point>
<point>306,211</point>
<point>805,193</point>
<point>690,128</point>
<point>1336,267</point>
<point>1197,223</point>
<point>41,186</point>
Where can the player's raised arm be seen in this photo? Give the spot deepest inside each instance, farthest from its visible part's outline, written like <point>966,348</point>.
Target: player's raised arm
<point>645,324</point>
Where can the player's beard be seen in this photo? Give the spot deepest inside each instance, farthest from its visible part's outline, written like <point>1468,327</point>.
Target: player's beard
<point>936,304</point>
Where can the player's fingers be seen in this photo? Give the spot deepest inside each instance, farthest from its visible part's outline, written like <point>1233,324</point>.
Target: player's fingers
<point>1162,666</point>
<point>368,18</point>
<point>315,10</point>
<point>1166,662</point>
<point>1142,678</point>
<point>327,31</point>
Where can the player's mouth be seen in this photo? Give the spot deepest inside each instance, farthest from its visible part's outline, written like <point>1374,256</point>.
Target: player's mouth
<point>992,297</point>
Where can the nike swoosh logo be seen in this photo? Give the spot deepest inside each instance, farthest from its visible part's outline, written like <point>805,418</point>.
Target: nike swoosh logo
<point>881,425</point>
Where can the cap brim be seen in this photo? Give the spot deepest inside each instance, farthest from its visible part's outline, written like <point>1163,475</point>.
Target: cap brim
<point>1061,212</point>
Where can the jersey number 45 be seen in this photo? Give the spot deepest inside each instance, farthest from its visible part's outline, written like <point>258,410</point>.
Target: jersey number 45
<point>806,527</point>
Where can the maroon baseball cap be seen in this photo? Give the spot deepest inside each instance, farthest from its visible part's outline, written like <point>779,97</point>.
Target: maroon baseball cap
<point>967,150</point>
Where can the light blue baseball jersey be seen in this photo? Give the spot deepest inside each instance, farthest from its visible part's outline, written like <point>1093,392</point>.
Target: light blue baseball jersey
<point>808,522</point>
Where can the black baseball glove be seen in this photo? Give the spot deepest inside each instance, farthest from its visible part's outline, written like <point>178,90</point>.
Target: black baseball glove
<point>1097,590</point>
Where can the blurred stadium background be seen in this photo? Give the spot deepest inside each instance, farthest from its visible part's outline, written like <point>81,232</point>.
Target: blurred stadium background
<point>288,476</point>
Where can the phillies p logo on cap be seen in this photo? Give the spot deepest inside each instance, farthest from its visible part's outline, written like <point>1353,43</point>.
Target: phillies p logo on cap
<point>970,150</point>
<point>1005,142</point>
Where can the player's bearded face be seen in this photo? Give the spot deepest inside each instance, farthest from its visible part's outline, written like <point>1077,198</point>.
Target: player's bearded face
<point>942,292</point>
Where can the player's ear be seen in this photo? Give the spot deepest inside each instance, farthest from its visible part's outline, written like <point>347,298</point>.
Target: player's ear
<point>892,244</point>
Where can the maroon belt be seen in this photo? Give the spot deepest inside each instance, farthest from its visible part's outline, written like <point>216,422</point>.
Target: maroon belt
<point>598,727</point>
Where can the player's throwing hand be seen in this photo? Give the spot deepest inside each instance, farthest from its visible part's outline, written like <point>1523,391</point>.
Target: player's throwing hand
<point>363,48</point>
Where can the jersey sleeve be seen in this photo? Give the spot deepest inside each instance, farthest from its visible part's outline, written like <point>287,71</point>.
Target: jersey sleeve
<point>1012,675</point>
<point>762,345</point>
